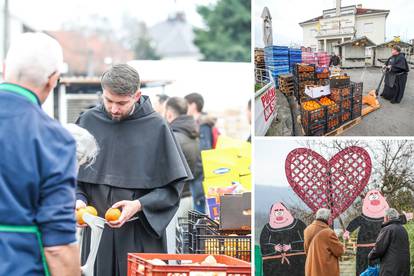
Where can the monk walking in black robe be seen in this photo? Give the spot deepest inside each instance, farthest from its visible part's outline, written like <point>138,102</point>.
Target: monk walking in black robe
<point>396,76</point>
<point>140,169</point>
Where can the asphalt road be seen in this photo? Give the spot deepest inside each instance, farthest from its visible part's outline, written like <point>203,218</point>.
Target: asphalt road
<point>390,119</point>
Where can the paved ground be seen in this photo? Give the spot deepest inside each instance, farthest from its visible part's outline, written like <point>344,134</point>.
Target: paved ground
<point>390,119</point>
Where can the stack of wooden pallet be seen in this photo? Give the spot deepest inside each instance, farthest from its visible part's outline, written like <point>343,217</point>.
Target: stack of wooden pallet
<point>286,84</point>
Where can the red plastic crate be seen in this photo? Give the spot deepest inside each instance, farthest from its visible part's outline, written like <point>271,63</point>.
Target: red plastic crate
<point>138,264</point>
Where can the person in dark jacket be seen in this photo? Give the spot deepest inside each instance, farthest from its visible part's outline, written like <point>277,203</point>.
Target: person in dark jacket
<point>206,127</point>
<point>396,76</point>
<point>335,60</point>
<point>185,131</point>
<point>392,247</point>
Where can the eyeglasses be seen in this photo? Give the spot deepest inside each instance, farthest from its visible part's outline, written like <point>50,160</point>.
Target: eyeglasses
<point>58,80</point>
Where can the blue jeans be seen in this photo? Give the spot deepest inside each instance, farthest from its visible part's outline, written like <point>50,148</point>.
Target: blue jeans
<point>197,192</point>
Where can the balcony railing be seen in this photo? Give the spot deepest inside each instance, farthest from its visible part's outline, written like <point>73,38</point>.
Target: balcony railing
<point>342,31</point>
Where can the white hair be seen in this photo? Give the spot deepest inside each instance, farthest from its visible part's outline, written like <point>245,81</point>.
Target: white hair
<point>86,146</point>
<point>323,214</point>
<point>391,213</point>
<point>33,58</point>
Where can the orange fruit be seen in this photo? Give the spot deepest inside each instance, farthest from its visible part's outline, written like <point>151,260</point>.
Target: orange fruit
<point>79,215</point>
<point>91,210</point>
<point>112,214</point>
<point>88,209</point>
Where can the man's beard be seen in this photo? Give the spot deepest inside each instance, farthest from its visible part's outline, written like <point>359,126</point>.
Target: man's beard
<point>118,119</point>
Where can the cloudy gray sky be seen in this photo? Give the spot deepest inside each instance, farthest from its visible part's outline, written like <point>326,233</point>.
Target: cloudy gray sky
<point>50,14</point>
<point>287,14</point>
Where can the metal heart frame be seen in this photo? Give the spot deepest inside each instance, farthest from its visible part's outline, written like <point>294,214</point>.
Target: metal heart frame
<point>332,184</point>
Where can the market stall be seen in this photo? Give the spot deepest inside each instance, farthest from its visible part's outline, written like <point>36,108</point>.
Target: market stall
<point>353,52</point>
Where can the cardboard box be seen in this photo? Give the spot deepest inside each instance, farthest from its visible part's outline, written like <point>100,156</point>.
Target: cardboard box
<point>235,212</point>
<point>317,91</point>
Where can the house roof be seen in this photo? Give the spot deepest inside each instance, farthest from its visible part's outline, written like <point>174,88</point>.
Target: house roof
<point>85,54</point>
<point>359,11</point>
<point>360,41</point>
<point>174,37</point>
<point>391,43</point>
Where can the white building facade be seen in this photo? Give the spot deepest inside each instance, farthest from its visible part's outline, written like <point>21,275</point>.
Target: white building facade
<point>341,24</point>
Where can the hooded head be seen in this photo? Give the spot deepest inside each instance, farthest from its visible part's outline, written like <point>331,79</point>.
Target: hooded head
<point>279,216</point>
<point>374,205</point>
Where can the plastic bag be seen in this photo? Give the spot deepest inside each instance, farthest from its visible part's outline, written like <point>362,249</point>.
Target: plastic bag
<point>371,271</point>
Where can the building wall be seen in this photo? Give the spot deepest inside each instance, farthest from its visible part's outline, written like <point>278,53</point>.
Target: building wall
<point>372,27</point>
<point>353,52</point>
<point>309,33</point>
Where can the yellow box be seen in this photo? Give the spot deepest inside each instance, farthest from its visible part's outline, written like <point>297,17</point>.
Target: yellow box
<point>219,182</point>
<point>244,152</point>
<point>246,182</point>
<point>220,162</point>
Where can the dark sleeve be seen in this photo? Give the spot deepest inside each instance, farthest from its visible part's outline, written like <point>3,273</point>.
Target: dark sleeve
<point>400,65</point>
<point>381,245</point>
<point>55,214</point>
<point>159,207</point>
<point>265,245</point>
<point>206,137</point>
<point>81,192</point>
<point>354,224</point>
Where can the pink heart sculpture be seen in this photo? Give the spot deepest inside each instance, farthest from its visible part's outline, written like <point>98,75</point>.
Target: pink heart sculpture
<point>332,184</point>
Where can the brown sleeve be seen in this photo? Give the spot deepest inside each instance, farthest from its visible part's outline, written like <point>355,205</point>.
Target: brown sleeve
<point>306,242</point>
<point>335,246</point>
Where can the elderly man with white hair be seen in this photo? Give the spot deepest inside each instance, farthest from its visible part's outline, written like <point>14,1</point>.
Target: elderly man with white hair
<point>322,247</point>
<point>37,166</point>
<point>392,247</point>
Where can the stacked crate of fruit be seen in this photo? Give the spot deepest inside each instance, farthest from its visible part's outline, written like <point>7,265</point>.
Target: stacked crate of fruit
<point>341,94</point>
<point>295,56</point>
<point>286,84</point>
<point>323,59</point>
<point>309,58</point>
<point>332,113</point>
<point>207,238</point>
<point>277,61</point>
<point>259,65</point>
<point>313,118</point>
<point>356,90</point>
<point>303,74</point>
<point>322,73</point>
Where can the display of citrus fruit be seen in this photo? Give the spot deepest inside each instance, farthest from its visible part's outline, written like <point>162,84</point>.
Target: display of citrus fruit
<point>112,214</point>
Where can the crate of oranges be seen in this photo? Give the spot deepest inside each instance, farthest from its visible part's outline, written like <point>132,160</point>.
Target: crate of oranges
<point>332,123</point>
<point>331,107</point>
<point>313,117</point>
<point>337,94</point>
<point>340,81</point>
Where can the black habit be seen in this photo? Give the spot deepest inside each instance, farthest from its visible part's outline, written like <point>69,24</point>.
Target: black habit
<point>396,78</point>
<point>293,235</point>
<point>369,229</point>
<point>139,158</point>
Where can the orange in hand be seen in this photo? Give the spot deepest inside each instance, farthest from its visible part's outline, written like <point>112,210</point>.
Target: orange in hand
<point>88,209</point>
<point>112,214</point>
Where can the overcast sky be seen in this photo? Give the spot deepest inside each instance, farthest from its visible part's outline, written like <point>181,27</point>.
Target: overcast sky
<point>287,14</point>
<point>50,14</point>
